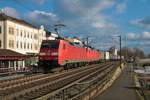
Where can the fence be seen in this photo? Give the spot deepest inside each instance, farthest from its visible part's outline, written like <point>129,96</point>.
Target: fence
<point>8,71</point>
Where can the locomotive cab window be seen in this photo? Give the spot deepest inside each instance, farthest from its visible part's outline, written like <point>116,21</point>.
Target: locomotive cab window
<point>50,44</point>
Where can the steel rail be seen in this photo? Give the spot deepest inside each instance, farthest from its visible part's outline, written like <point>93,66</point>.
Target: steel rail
<point>82,80</point>
<point>59,76</point>
<point>68,84</point>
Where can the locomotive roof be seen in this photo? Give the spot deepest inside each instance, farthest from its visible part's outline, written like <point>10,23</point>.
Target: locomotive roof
<point>50,40</point>
<point>71,43</point>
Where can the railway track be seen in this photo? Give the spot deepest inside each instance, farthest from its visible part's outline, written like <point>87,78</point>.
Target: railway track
<point>80,85</point>
<point>8,83</point>
<point>40,85</point>
<point>62,83</point>
<point>20,80</point>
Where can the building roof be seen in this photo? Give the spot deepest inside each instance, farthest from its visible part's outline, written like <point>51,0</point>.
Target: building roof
<point>6,54</point>
<point>6,17</point>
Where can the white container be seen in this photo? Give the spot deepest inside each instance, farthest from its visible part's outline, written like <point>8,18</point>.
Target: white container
<point>107,56</point>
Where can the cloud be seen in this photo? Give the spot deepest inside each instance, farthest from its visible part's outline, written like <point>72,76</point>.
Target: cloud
<point>86,16</point>
<point>120,8</point>
<point>39,2</point>
<point>38,18</point>
<point>78,8</point>
<point>131,36</point>
<point>144,44</point>
<point>138,40</point>
<point>10,11</point>
<point>82,17</point>
<point>145,36</point>
<point>143,23</point>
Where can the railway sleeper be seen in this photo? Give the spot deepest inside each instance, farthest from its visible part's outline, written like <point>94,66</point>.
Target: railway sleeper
<point>18,81</point>
<point>64,80</point>
<point>70,94</point>
<point>53,84</point>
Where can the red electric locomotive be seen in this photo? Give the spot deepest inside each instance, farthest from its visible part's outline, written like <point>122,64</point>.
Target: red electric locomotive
<point>54,53</point>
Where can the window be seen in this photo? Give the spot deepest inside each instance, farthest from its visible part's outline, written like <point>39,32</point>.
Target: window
<point>0,44</point>
<point>24,45</point>
<point>31,35</point>
<point>21,33</point>
<point>28,45</point>
<point>11,43</point>
<point>31,46</point>
<point>35,36</point>
<point>0,30</point>
<point>50,44</point>
<point>11,63</point>
<point>24,33</point>
<point>17,44</point>
<point>17,30</point>
<point>35,46</point>
<point>21,45</point>
<point>28,34</point>
<point>11,30</point>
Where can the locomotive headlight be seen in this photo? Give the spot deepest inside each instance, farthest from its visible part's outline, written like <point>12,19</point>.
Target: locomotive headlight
<point>54,54</point>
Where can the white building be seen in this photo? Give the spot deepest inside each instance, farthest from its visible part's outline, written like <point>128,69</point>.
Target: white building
<point>116,52</point>
<point>51,36</point>
<point>107,55</point>
<point>19,36</point>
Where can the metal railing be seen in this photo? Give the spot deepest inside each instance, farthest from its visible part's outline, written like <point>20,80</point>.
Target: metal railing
<point>12,70</point>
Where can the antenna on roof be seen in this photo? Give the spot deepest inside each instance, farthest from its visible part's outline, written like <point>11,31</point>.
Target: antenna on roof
<point>58,26</point>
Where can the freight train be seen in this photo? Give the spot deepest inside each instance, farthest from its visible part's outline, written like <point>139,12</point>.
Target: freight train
<point>64,54</point>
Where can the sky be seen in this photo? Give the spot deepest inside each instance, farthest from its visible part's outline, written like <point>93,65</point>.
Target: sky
<point>101,20</point>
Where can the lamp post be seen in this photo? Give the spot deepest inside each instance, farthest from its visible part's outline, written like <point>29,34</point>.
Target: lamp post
<point>120,50</point>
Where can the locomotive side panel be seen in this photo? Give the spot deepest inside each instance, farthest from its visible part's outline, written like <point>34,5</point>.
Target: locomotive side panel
<point>93,55</point>
<point>71,54</point>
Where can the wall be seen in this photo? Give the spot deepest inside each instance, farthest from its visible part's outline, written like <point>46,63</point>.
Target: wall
<point>26,39</point>
<point>2,33</point>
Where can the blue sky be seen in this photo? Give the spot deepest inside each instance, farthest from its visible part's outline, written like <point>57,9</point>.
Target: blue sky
<point>100,19</point>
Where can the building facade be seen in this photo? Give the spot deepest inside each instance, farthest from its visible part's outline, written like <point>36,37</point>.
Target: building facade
<point>20,36</point>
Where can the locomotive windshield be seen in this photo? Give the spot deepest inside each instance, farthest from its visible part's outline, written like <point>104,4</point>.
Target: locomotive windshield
<point>50,44</point>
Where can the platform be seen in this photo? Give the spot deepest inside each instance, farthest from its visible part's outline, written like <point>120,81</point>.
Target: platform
<point>121,89</point>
